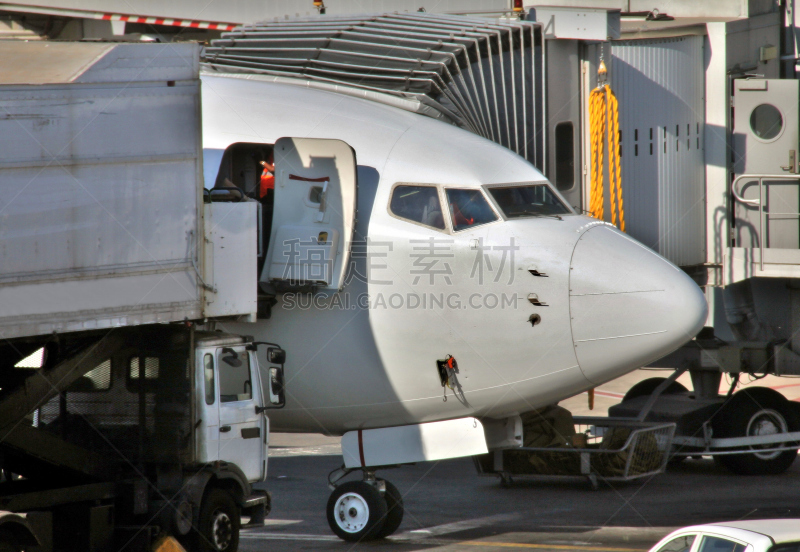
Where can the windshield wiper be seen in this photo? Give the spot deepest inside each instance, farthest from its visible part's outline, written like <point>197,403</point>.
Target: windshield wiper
<point>539,214</point>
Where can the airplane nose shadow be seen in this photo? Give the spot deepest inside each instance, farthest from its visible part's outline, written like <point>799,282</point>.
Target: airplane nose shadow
<point>628,305</point>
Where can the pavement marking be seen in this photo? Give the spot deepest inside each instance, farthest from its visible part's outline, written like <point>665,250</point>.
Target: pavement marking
<point>489,544</point>
<point>273,522</point>
<point>321,450</point>
<point>416,534</point>
<point>454,527</point>
<point>288,536</point>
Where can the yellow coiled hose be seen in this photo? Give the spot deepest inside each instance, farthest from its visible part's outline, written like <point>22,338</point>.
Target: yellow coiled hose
<point>604,120</point>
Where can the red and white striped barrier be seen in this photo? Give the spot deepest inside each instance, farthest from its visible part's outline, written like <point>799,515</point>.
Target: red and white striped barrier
<point>190,23</point>
<point>165,21</point>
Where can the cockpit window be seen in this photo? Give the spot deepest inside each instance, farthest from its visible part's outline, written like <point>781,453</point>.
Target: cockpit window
<point>468,208</point>
<point>531,200</point>
<point>418,204</point>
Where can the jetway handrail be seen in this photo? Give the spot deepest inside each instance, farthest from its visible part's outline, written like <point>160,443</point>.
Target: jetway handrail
<point>760,203</point>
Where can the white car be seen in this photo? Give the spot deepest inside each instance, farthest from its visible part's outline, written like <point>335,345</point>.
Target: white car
<point>768,535</point>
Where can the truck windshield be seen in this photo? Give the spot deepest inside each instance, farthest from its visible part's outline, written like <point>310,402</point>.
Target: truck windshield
<point>530,200</point>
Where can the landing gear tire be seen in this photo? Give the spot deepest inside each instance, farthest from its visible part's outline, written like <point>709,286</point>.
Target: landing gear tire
<point>394,510</point>
<point>753,412</point>
<point>356,511</point>
<point>218,527</point>
<point>646,387</point>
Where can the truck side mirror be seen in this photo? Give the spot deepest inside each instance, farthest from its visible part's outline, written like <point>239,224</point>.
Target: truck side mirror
<point>276,355</point>
<point>276,394</point>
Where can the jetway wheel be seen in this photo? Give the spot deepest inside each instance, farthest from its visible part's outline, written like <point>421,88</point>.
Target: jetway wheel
<point>356,511</point>
<point>394,510</point>
<point>646,387</point>
<point>751,412</point>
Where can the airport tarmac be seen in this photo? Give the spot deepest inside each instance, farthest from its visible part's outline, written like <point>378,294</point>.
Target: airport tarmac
<point>448,507</point>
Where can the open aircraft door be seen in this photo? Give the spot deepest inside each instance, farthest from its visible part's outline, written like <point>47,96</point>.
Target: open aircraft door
<point>314,214</point>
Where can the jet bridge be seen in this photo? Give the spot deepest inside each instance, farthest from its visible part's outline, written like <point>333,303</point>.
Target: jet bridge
<point>708,149</point>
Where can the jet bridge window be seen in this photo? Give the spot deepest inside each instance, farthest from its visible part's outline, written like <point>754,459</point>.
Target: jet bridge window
<point>766,121</point>
<point>565,156</point>
<point>418,204</point>
<point>234,376</point>
<point>468,208</point>
<point>533,200</point>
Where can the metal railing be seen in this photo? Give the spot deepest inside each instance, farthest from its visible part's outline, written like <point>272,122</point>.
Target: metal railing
<point>760,203</point>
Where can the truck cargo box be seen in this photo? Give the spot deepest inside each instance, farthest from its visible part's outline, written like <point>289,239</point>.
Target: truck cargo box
<point>101,187</point>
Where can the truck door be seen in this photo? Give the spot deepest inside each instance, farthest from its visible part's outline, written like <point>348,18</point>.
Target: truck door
<point>314,214</point>
<point>241,426</point>
<point>765,143</point>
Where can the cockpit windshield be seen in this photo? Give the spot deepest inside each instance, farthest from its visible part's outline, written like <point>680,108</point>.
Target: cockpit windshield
<point>529,200</point>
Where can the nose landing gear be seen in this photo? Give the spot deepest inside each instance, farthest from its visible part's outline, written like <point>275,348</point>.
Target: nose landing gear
<point>363,510</point>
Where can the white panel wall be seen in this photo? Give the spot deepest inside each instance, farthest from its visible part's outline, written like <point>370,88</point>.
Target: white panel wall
<point>660,84</point>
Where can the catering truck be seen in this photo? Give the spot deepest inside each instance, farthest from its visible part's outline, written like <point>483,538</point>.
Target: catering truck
<point>121,422</point>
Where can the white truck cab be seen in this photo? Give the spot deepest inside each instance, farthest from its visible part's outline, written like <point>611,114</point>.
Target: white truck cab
<point>229,405</point>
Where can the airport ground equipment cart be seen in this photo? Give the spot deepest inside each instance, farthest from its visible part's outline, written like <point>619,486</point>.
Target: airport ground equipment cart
<point>606,449</point>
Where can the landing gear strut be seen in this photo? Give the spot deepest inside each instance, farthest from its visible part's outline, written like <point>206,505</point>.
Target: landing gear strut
<point>363,510</point>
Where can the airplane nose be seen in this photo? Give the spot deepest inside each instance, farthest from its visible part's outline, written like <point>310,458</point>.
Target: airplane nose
<point>629,306</point>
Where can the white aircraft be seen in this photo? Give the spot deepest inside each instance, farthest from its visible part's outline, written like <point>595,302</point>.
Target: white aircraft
<point>398,244</point>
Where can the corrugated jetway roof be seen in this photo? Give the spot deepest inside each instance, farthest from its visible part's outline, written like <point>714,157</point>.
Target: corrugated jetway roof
<point>482,75</point>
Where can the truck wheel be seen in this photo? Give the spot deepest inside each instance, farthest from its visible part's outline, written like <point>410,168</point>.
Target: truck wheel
<point>752,412</point>
<point>218,527</point>
<point>356,511</point>
<point>646,387</point>
<point>394,510</point>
